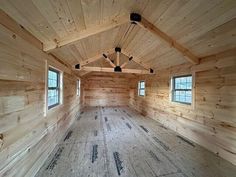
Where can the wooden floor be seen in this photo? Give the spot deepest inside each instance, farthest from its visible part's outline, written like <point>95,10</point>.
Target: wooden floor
<point>110,142</point>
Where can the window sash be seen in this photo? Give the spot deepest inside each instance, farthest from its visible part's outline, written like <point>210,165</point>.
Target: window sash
<point>174,90</point>
<point>182,89</point>
<point>58,98</point>
<point>57,88</point>
<point>140,92</point>
<point>186,98</point>
<point>141,87</point>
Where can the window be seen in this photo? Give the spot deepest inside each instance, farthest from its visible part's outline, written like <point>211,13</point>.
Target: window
<point>182,89</point>
<point>53,88</point>
<point>78,87</point>
<point>141,88</point>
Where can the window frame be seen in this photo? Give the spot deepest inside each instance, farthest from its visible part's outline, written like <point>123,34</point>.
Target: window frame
<point>58,87</point>
<point>173,89</point>
<point>139,88</point>
<point>78,87</point>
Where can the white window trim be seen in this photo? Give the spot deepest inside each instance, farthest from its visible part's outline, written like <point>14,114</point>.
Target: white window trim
<point>46,110</point>
<point>78,92</point>
<point>144,88</point>
<point>192,105</point>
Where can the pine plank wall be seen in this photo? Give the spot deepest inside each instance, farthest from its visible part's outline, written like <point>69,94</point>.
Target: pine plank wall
<point>106,89</point>
<point>27,135</point>
<point>211,121</point>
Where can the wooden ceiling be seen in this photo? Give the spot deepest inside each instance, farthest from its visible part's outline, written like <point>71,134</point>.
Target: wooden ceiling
<point>86,28</point>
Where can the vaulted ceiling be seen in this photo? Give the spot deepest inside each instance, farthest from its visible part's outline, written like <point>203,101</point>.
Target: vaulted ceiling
<point>76,30</point>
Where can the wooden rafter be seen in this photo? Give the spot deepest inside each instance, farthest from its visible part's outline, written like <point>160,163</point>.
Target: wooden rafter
<point>118,58</point>
<point>97,57</point>
<point>110,51</point>
<point>84,73</point>
<point>142,22</point>
<point>117,21</point>
<point>12,25</point>
<point>127,62</point>
<point>138,61</point>
<point>118,51</point>
<point>103,69</point>
<point>124,64</point>
<point>109,60</point>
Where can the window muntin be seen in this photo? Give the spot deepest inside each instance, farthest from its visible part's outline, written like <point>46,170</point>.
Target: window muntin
<point>182,89</point>
<point>141,88</point>
<point>53,88</point>
<point>78,87</point>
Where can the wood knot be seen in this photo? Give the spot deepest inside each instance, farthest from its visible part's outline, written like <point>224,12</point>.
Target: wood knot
<point>56,41</point>
<point>14,36</point>
<point>22,27</point>
<point>1,136</point>
<point>225,125</point>
<point>1,141</point>
<point>18,119</point>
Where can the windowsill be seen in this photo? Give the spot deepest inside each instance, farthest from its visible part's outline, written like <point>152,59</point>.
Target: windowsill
<point>49,111</point>
<point>142,96</point>
<point>54,107</point>
<point>184,105</point>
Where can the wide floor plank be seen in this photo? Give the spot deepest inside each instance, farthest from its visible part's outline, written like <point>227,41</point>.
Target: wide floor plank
<point>118,141</point>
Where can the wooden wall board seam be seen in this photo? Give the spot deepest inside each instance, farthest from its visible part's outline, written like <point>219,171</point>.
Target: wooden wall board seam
<point>55,120</point>
<point>205,123</point>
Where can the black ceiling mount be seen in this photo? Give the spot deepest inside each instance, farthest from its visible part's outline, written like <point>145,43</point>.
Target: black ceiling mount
<point>130,58</point>
<point>135,17</point>
<point>118,49</point>
<point>117,69</point>
<point>77,66</point>
<point>151,70</point>
<point>104,55</point>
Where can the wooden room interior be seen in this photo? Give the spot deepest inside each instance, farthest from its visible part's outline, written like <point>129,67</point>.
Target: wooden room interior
<point>109,88</point>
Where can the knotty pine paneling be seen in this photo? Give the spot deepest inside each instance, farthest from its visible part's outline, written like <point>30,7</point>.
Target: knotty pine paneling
<point>27,135</point>
<point>211,121</point>
<point>106,89</point>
